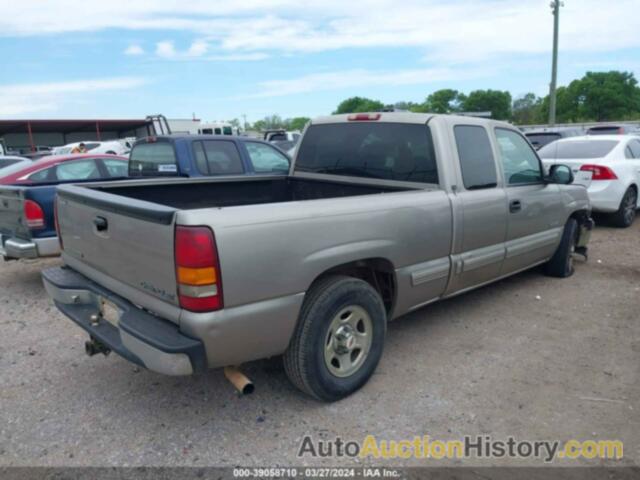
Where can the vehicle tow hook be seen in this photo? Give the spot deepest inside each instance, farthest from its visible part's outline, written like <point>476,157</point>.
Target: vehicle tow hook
<point>239,380</point>
<point>93,347</point>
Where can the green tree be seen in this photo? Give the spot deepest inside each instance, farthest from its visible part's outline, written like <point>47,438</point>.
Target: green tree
<point>444,101</point>
<point>526,109</point>
<point>603,96</point>
<point>297,123</point>
<point>495,101</point>
<point>359,104</point>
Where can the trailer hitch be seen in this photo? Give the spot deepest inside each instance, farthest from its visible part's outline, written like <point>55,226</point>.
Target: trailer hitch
<point>94,346</point>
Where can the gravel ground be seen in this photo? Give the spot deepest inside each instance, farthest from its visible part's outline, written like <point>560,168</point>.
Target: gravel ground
<point>530,357</point>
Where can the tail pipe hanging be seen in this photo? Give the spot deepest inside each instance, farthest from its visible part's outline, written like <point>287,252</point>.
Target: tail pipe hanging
<point>239,380</point>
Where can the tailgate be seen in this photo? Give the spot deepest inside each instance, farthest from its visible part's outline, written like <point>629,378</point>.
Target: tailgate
<point>11,212</point>
<point>128,240</point>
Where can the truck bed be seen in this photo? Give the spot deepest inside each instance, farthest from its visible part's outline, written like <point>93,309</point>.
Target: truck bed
<point>193,195</point>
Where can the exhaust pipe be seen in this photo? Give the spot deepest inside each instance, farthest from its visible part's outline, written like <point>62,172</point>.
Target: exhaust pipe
<point>93,347</point>
<point>239,380</point>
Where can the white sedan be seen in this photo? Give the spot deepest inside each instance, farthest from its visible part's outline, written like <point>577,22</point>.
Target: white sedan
<point>113,147</point>
<point>614,161</point>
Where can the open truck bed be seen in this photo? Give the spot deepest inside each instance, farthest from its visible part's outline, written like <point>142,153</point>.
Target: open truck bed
<point>228,192</point>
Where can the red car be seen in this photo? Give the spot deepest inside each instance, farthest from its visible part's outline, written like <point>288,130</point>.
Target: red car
<point>27,195</point>
<point>66,168</point>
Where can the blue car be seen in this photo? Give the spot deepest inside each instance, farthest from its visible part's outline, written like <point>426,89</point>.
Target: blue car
<point>204,156</point>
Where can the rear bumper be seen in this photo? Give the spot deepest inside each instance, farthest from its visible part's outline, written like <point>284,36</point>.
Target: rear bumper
<point>12,248</point>
<point>136,335</point>
<point>606,195</point>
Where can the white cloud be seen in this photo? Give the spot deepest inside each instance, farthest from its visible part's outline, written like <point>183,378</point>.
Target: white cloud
<point>165,49</point>
<point>134,49</point>
<point>197,49</point>
<point>26,98</point>
<point>359,78</point>
<point>448,31</point>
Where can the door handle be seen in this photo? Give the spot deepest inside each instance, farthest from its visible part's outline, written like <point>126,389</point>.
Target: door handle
<point>515,206</point>
<point>101,223</point>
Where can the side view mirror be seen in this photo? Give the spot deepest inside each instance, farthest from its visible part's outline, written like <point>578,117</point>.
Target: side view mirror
<point>560,174</point>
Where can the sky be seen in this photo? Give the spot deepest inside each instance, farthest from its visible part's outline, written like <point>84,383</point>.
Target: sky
<point>222,60</point>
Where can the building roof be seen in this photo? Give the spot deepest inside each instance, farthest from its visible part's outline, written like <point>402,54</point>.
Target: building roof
<point>69,125</point>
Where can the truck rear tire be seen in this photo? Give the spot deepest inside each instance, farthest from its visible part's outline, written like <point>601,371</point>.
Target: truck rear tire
<point>339,338</point>
<point>561,264</point>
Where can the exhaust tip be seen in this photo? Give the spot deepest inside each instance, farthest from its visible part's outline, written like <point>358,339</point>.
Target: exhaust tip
<point>239,380</point>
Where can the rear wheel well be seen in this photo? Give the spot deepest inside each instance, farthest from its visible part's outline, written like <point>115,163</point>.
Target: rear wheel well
<point>377,272</point>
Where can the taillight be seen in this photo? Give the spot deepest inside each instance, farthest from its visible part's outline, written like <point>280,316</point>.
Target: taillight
<point>363,117</point>
<point>33,214</point>
<point>55,221</point>
<point>198,269</point>
<point>600,172</point>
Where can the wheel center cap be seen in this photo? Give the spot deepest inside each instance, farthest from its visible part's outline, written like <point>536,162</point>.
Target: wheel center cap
<point>344,339</point>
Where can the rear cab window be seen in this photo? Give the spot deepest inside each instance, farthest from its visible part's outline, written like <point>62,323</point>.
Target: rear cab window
<point>153,159</point>
<point>390,151</point>
<point>539,140</point>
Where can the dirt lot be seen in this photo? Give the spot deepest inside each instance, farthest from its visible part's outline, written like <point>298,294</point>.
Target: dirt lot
<point>530,357</point>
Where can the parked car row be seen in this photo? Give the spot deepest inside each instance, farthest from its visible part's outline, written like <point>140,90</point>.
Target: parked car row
<point>539,137</point>
<point>378,215</point>
<point>27,189</point>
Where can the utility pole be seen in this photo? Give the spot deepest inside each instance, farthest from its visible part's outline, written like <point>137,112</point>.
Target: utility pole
<point>555,5</point>
<point>244,122</point>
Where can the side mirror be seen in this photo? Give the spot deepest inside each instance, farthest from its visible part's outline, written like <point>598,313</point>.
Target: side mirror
<point>560,174</point>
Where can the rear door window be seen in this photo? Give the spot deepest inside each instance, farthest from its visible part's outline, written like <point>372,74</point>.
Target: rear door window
<point>152,160</point>
<point>45,175</point>
<point>476,157</point>
<point>116,168</point>
<point>78,170</point>
<point>265,158</point>
<point>520,163</point>
<point>217,157</point>
<point>391,151</point>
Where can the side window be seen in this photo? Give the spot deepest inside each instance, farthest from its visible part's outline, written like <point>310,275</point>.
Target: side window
<point>116,168</point>
<point>634,145</point>
<point>222,158</point>
<point>627,152</point>
<point>520,163</point>
<point>266,158</point>
<point>46,175</point>
<point>201,158</point>
<point>78,170</point>
<point>476,157</point>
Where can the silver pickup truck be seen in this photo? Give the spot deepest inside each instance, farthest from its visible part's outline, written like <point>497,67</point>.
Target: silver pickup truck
<point>381,214</point>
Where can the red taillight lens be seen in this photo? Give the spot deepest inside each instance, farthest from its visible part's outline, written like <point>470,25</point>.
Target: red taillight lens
<point>55,221</point>
<point>600,172</point>
<point>198,269</point>
<point>33,214</point>
<point>363,117</point>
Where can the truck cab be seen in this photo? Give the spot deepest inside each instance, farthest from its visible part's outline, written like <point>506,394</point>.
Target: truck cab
<point>204,156</point>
